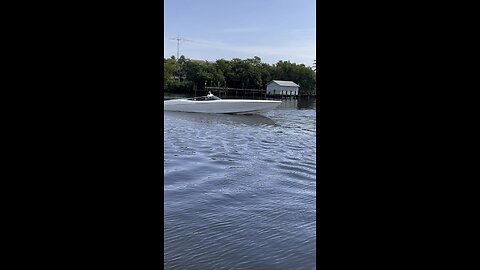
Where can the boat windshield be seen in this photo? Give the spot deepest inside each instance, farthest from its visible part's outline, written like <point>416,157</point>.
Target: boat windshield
<point>205,98</point>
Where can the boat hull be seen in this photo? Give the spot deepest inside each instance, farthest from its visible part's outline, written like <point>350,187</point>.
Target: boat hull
<point>231,106</point>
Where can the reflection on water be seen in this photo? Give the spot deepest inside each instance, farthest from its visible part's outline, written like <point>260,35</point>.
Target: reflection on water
<point>301,103</point>
<point>232,119</point>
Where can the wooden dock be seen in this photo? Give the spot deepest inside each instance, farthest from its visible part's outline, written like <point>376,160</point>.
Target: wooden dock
<point>243,93</point>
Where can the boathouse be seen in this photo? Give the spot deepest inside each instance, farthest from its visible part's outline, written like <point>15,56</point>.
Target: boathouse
<point>277,87</point>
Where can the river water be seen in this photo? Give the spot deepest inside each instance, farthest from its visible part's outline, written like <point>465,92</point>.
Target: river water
<point>240,191</point>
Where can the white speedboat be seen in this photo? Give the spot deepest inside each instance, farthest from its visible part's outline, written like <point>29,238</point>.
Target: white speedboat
<point>213,104</point>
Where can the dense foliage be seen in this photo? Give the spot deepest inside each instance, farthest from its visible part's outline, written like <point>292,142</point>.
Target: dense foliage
<point>185,74</point>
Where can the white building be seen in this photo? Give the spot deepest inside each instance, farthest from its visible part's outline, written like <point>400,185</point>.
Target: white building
<point>276,87</point>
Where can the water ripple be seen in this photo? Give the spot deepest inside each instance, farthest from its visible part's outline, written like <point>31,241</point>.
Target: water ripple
<point>240,191</point>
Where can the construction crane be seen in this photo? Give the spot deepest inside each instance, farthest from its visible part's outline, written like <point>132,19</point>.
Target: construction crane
<point>178,39</point>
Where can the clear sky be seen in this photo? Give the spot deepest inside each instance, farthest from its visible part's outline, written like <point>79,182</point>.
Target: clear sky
<point>270,29</point>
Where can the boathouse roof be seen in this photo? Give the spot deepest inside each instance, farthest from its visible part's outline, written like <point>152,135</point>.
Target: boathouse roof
<point>284,83</point>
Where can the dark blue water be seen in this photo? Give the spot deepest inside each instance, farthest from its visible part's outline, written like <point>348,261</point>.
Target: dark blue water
<point>240,190</point>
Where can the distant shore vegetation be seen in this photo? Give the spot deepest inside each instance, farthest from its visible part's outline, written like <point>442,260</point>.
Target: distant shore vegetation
<point>184,75</point>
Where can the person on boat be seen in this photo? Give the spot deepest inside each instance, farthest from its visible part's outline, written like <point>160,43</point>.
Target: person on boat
<point>210,95</point>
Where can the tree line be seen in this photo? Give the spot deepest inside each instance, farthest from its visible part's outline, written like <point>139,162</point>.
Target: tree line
<point>184,74</point>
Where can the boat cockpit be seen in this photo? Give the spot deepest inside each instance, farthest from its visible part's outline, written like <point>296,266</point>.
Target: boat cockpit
<point>205,98</point>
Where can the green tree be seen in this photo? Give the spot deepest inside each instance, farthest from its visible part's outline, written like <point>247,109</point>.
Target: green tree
<point>249,73</point>
<point>169,68</point>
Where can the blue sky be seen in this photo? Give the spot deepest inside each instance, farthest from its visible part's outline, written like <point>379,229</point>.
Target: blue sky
<point>270,29</point>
